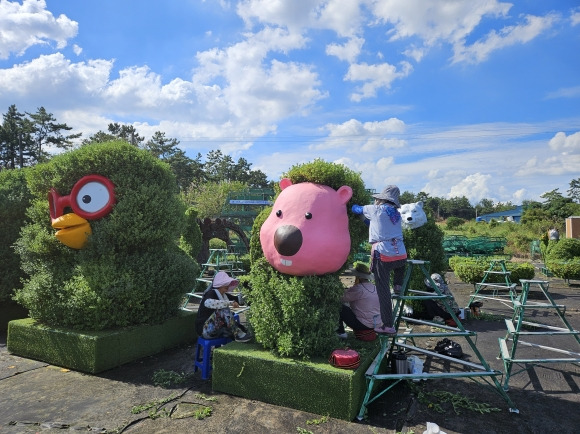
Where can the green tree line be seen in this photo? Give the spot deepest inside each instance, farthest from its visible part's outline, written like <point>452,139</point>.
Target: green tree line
<point>27,138</point>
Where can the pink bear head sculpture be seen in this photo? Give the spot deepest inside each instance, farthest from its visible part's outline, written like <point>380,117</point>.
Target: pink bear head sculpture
<point>307,231</point>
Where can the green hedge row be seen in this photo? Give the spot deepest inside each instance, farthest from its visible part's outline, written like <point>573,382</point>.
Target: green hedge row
<point>472,270</point>
<point>563,258</point>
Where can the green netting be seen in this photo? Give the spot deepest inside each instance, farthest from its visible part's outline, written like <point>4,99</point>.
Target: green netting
<point>463,246</point>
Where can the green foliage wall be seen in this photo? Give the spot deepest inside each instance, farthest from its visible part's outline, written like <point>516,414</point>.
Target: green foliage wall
<point>190,241</point>
<point>471,270</point>
<point>425,243</point>
<point>15,197</point>
<point>298,316</point>
<point>563,258</point>
<point>132,270</point>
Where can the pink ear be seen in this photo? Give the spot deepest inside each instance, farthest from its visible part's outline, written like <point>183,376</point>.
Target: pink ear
<point>285,183</point>
<point>345,193</point>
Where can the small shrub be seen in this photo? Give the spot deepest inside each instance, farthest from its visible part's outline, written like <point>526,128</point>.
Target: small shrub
<point>454,223</point>
<point>565,270</point>
<point>216,243</point>
<point>190,240</point>
<point>563,258</point>
<point>472,270</point>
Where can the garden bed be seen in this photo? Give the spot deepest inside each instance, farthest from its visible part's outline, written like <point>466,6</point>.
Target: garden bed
<point>249,371</point>
<point>94,352</point>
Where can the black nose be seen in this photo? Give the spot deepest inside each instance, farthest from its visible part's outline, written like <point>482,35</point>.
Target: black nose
<point>409,219</point>
<point>288,240</point>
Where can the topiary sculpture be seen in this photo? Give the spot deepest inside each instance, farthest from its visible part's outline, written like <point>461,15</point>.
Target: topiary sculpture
<point>114,260</point>
<point>295,313</point>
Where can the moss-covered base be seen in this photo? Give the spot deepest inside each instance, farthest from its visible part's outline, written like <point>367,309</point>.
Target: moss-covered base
<point>249,371</point>
<point>94,352</point>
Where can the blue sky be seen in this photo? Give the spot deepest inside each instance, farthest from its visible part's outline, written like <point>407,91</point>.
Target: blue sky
<point>475,98</point>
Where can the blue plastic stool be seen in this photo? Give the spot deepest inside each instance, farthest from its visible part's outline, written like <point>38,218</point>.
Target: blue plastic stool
<point>203,354</point>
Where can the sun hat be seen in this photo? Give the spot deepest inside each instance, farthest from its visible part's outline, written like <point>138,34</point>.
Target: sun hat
<point>222,279</point>
<point>390,193</point>
<point>435,277</point>
<point>360,270</point>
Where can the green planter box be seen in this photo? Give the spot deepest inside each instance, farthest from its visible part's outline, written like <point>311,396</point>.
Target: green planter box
<point>94,352</point>
<point>249,371</point>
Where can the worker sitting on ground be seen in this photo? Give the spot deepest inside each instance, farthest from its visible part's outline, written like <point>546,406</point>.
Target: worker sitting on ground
<point>436,308</point>
<point>363,305</point>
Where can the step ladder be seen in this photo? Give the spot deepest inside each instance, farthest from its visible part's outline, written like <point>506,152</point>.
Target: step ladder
<point>515,330</point>
<point>217,261</point>
<point>479,370</point>
<point>498,290</point>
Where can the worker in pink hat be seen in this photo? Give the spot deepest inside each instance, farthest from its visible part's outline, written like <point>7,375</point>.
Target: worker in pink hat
<point>214,317</point>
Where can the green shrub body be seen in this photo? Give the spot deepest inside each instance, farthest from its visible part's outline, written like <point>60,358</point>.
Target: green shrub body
<point>472,270</point>
<point>131,270</point>
<point>294,316</point>
<point>15,197</point>
<point>563,258</point>
<point>425,243</point>
<point>190,241</point>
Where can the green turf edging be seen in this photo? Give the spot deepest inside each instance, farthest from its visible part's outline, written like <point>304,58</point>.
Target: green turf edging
<point>249,371</point>
<point>94,352</point>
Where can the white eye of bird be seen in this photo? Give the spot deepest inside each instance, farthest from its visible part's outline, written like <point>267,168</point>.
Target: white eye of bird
<point>92,197</point>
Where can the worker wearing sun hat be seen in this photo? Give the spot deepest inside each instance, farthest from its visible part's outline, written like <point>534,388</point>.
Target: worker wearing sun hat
<point>214,317</point>
<point>388,251</point>
<point>361,305</point>
<point>436,307</point>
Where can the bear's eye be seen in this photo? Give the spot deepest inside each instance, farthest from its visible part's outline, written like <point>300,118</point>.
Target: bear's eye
<point>308,216</point>
<point>279,213</point>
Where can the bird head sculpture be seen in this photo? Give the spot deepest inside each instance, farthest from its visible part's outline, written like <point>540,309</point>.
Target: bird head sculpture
<point>91,198</point>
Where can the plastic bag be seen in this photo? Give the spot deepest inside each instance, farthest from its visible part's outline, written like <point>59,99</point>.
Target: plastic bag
<point>449,348</point>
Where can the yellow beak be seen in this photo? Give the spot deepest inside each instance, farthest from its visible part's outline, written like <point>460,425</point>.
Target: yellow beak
<point>73,231</point>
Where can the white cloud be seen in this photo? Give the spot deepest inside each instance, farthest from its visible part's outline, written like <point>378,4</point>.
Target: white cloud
<point>342,17</point>
<point>519,196</point>
<point>566,92</point>
<point>508,36</point>
<point>564,158</point>
<point>566,144</point>
<point>374,77</point>
<point>575,18</point>
<point>56,79</point>
<point>446,20</point>
<point>347,51</point>
<point>359,136</point>
<point>415,53</point>
<point>473,187</point>
<point>25,25</point>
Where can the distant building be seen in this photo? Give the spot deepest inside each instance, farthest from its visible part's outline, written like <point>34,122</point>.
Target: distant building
<point>512,215</point>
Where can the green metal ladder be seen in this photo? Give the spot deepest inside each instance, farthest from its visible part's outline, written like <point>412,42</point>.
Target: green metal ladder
<point>497,267</point>
<point>514,331</point>
<point>218,260</point>
<point>387,344</point>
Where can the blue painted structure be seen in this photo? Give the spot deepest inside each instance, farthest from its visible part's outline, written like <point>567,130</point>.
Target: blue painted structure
<point>514,214</point>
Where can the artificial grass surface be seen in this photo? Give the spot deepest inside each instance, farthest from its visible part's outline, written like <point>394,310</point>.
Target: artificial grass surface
<point>94,352</point>
<point>249,371</point>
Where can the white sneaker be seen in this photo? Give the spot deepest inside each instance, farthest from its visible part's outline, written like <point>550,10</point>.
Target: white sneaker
<point>243,337</point>
<point>342,335</point>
